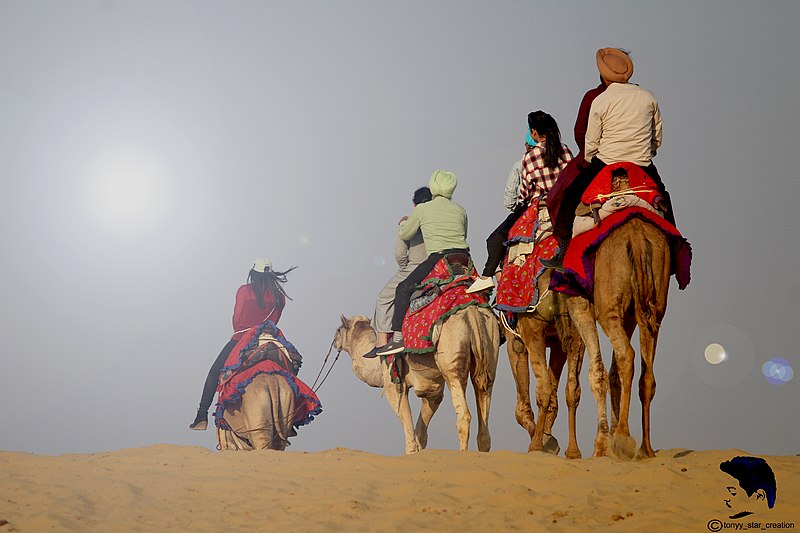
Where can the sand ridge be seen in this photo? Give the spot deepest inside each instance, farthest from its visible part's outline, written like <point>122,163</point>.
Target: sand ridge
<point>188,488</point>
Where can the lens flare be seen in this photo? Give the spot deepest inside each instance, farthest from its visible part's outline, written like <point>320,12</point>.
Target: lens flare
<point>379,260</point>
<point>715,353</point>
<point>777,371</point>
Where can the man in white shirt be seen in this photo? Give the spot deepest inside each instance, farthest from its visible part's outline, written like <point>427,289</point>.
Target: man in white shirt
<point>624,125</point>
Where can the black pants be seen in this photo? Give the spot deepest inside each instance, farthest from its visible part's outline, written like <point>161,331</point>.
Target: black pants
<point>495,243</point>
<point>210,386</point>
<point>562,228</point>
<point>402,295</point>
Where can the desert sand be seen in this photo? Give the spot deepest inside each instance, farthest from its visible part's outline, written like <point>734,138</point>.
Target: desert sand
<point>186,488</point>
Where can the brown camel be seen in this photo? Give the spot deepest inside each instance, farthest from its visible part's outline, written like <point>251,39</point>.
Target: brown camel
<point>549,326</point>
<point>631,281</point>
<point>467,347</point>
<point>263,419</point>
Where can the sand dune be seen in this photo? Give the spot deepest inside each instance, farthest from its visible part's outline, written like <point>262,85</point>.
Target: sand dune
<point>180,488</point>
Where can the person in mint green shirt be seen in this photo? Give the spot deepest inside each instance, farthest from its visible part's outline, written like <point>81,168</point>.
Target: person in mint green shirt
<point>443,224</point>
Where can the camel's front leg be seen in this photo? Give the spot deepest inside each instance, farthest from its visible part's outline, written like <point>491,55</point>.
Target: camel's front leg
<point>397,396</point>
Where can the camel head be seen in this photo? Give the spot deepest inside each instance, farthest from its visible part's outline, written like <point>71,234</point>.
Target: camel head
<point>354,331</point>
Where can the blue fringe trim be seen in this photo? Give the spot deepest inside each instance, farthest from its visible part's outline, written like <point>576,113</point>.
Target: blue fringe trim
<point>272,329</point>
<point>240,387</point>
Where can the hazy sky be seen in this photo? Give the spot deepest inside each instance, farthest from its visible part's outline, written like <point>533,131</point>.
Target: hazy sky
<point>150,150</point>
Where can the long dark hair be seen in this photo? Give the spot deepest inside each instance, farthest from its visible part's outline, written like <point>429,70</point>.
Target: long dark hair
<point>271,280</point>
<point>546,126</point>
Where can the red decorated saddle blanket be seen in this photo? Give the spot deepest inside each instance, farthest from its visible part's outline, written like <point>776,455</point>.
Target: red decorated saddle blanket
<point>529,240</point>
<point>578,275</point>
<point>264,349</point>
<point>445,289</point>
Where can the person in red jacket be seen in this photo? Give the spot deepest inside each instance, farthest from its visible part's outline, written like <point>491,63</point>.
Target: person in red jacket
<point>261,299</point>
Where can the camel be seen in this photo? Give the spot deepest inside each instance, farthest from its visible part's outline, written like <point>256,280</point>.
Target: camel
<point>263,418</point>
<point>548,326</point>
<point>467,346</point>
<point>631,281</point>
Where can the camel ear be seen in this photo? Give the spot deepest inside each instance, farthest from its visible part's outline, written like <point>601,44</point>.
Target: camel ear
<point>345,322</point>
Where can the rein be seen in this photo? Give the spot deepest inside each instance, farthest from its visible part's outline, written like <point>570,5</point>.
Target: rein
<point>315,387</point>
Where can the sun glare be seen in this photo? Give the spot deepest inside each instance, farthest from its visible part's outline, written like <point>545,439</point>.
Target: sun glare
<point>715,353</point>
<point>127,190</point>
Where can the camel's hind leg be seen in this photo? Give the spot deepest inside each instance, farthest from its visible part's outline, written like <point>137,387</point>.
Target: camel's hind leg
<point>582,315</point>
<point>533,332</point>
<point>647,387</point>
<point>429,404</point>
<point>623,444</point>
<point>518,357</point>
<point>555,365</point>
<point>574,359</point>
<point>483,401</point>
<point>451,358</point>
<point>614,385</point>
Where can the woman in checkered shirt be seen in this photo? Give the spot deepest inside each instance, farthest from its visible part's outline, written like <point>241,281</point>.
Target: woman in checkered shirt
<point>540,169</point>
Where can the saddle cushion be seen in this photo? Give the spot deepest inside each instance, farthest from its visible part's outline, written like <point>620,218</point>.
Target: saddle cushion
<point>578,275</point>
<point>450,278</point>
<point>261,350</point>
<point>530,239</point>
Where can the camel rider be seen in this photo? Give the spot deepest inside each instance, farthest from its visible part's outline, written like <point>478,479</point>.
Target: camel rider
<point>444,230</point>
<point>624,125</point>
<point>408,255</point>
<point>262,298</point>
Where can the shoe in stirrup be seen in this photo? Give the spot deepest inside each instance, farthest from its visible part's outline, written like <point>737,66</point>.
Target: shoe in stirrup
<point>557,262</point>
<point>392,348</point>
<point>480,284</point>
<point>373,352</point>
<point>200,421</point>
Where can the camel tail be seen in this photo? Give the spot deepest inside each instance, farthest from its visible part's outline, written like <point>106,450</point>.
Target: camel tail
<point>482,342</point>
<point>644,283</point>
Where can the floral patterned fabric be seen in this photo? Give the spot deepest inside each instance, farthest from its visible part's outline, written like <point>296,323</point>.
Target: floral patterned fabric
<point>451,279</point>
<point>529,240</point>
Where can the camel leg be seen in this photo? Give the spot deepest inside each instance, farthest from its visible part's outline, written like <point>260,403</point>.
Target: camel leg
<point>544,390</point>
<point>397,396</point>
<point>582,314</point>
<point>573,393</point>
<point>624,445</point>
<point>647,388</point>
<point>518,357</point>
<point>483,401</point>
<point>614,389</point>
<point>452,358</point>
<point>428,406</point>
<point>613,375</point>
<point>556,361</point>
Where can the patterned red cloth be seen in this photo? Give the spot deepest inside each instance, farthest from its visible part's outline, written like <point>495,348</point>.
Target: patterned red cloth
<point>418,325</point>
<point>236,375</point>
<point>643,185</point>
<point>516,288</point>
<point>578,275</point>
